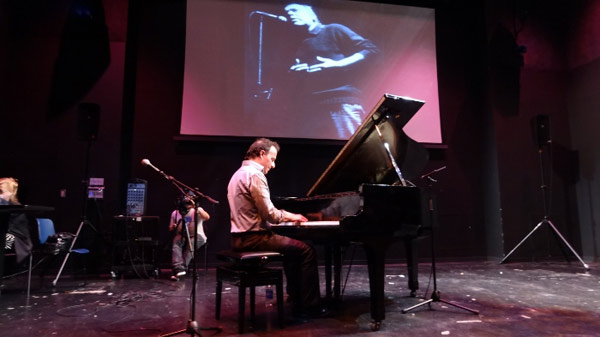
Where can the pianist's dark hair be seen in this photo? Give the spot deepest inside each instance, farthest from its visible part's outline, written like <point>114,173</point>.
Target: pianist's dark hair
<point>258,145</point>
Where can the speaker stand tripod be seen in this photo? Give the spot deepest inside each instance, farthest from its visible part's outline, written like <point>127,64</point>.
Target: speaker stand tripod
<point>84,220</point>
<point>546,219</point>
<point>71,250</point>
<point>435,294</point>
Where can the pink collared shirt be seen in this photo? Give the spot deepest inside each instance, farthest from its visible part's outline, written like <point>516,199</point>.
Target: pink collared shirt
<point>250,200</point>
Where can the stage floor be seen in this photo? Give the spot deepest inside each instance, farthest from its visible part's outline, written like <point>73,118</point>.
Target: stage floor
<point>514,299</point>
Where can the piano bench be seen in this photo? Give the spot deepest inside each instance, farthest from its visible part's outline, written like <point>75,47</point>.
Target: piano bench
<point>247,270</point>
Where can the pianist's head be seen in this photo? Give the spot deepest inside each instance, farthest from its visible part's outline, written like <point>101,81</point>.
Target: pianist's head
<point>263,151</point>
<point>8,191</point>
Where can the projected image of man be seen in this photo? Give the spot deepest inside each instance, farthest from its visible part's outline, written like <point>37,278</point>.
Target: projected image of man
<point>326,65</point>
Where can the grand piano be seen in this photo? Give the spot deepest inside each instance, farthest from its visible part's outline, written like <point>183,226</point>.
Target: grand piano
<point>366,196</point>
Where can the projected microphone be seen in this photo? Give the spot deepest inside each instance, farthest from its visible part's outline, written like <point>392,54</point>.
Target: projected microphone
<point>146,162</point>
<point>278,17</point>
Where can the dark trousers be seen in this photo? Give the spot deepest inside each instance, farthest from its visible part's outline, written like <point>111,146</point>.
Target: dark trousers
<point>299,263</point>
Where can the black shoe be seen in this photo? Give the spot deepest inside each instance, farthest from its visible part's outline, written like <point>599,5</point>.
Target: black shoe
<point>178,272</point>
<point>319,311</point>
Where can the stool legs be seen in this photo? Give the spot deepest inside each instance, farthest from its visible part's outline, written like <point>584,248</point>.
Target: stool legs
<point>279,290</point>
<point>241,308</point>
<point>218,300</point>
<point>252,303</point>
<point>244,280</point>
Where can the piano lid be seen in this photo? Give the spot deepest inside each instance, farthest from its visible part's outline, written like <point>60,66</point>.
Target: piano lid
<point>364,159</point>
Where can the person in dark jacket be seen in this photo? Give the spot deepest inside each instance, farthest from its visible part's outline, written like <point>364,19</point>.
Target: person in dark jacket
<point>17,234</point>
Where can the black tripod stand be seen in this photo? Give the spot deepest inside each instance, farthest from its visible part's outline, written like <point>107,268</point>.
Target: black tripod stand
<point>435,294</point>
<point>546,219</point>
<point>84,220</point>
<point>192,328</point>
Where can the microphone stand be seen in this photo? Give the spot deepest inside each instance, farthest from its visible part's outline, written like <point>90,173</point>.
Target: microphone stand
<point>386,146</point>
<point>192,328</point>
<point>435,294</point>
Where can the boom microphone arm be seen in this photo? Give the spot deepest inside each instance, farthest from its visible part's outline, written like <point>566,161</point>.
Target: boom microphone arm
<point>191,192</point>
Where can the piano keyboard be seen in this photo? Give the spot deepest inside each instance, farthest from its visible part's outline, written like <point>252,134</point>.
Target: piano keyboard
<point>308,224</point>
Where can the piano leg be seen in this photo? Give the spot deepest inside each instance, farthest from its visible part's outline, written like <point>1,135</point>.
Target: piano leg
<point>333,261</point>
<point>412,266</point>
<point>328,249</point>
<point>375,251</point>
<point>337,271</point>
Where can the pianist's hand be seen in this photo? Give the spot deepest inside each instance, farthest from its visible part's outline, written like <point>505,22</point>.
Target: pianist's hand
<point>294,217</point>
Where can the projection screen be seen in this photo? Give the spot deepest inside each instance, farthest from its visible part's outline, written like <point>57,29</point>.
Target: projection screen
<point>305,70</point>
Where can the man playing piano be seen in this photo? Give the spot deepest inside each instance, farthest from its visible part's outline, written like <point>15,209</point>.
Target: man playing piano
<point>251,214</point>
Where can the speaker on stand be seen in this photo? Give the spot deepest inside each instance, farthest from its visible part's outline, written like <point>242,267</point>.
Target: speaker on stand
<point>88,121</point>
<point>543,139</point>
<point>541,130</point>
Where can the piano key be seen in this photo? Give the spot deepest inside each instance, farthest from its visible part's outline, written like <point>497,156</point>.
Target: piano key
<point>309,224</point>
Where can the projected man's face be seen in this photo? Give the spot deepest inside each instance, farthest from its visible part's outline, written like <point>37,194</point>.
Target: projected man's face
<point>301,14</point>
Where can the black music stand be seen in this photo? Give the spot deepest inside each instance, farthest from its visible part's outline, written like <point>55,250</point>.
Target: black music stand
<point>546,219</point>
<point>435,294</point>
<point>192,326</point>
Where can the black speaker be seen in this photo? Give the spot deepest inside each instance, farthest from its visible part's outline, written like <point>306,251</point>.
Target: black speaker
<point>88,120</point>
<point>541,130</point>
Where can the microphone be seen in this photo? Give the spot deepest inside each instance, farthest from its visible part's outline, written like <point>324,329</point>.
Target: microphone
<point>426,175</point>
<point>146,162</point>
<point>278,17</point>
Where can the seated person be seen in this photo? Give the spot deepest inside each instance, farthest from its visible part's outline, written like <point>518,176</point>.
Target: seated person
<point>181,224</point>
<point>252,213</point>
<point>17,234</point>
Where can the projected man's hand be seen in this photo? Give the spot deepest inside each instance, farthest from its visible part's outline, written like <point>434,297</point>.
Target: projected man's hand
<point>325,63</point>
<point>300,66</point>
<point>331,63</point>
